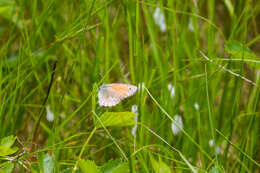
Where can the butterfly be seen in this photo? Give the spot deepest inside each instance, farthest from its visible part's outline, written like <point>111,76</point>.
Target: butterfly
<point>111,94</point>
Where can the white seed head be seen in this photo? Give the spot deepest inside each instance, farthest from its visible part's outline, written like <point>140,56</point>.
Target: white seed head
<point>211,142</point>
<point>196,106</point>
<point>159,19</point>
<point>49,114</point>
<point>177,125</point>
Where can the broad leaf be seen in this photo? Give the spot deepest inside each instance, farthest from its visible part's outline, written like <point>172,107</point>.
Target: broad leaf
<point>70,170</point>
<point>115,166</point>
<point>217,169</point>
<point>116,119</point>
<point>8,141</point>
<point>159,166</point>
<point>7,168</point>
<point>88,166</point>
<point>6,144</point>
<point>34,168</point>
<point>7,151</point>
<point>46,162</point>
<point>238,50</point>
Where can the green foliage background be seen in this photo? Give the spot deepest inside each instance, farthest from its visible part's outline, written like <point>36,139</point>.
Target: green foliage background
<point>209,53</point>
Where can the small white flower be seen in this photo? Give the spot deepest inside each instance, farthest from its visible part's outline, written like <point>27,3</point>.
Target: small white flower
<point>190,25</point>
<point>133,131</point>
<point>172,90</point>
<point>196,106</point>
<point>176,128</point>
<point>217,148</point>
<point>169,86</point>
<point>134,108</point>
<point>49,114</point>
<point>211,142</point>
<point>158,17</point>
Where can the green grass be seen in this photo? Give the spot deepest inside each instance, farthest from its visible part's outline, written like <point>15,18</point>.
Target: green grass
<point>209,53</point>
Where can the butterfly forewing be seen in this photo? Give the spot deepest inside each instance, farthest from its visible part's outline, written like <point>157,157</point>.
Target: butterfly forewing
<point>111,94</point>
<point>124,90</point>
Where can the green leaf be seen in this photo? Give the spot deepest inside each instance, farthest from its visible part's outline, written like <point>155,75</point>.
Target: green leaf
<point>34,168</point>
<point>115,166</point>
<point>217,169</point>
<point>40,160</point>
<point>116,119</point>
<point>69,170</point>
<point>159,166</point>
<point>46,163</point>
<point>7,151</point>
<point>238,50</point>
<point>88,166</point>
<point>8,141</point>
<point>6,144</point>
<point>7,168</point>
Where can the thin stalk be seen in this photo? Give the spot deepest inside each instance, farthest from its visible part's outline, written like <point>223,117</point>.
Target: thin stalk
<point>83,148</point>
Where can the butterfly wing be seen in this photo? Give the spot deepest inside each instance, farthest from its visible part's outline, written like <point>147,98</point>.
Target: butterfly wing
<point>107,97</point>
<point>111,94</point>
<point>124,90</point>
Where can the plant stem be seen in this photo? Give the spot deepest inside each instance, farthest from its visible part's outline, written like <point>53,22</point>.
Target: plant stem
<point>83,148</point>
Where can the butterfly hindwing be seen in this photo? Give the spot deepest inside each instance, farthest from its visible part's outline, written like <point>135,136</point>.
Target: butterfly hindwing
<point>108,97</point>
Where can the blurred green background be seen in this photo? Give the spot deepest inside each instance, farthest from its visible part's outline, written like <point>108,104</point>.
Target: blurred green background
<point>195,63</point>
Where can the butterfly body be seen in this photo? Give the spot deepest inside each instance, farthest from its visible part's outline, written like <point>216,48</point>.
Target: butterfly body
<point>111,94</point>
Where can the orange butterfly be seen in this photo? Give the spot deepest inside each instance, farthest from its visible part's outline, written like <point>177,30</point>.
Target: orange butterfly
<point>111,94</point>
